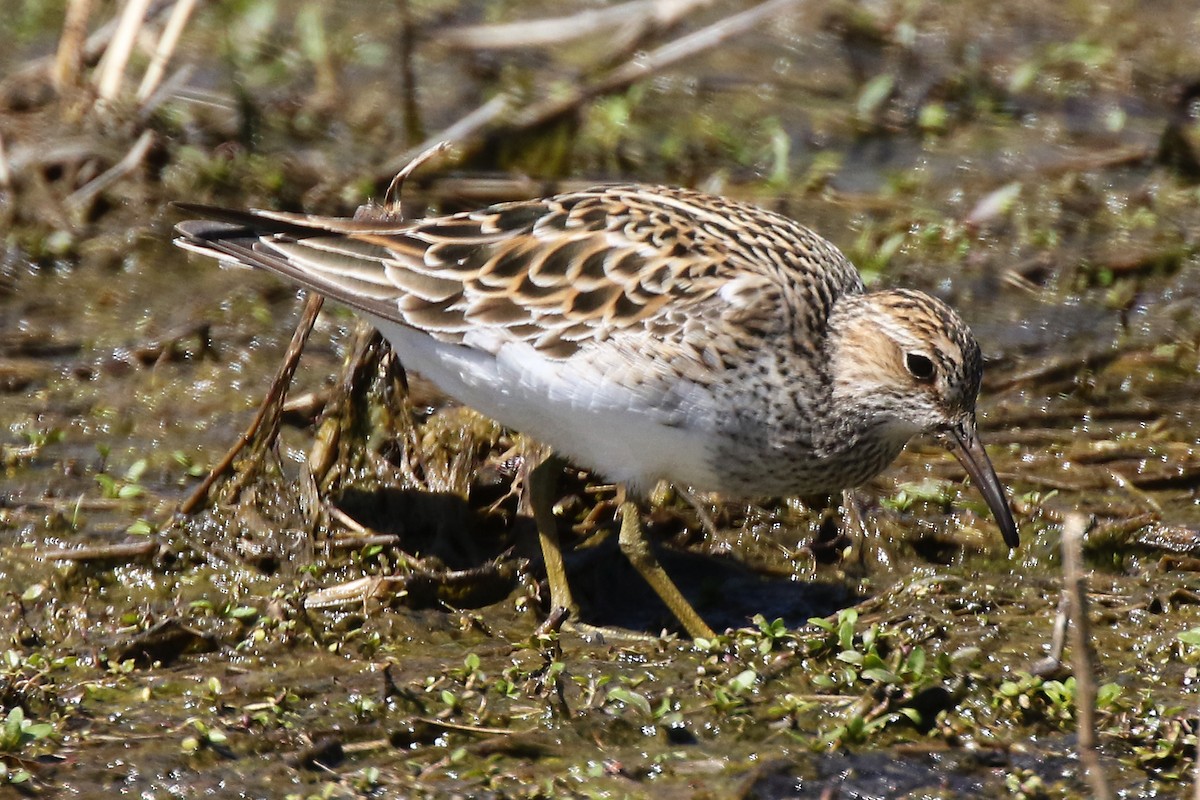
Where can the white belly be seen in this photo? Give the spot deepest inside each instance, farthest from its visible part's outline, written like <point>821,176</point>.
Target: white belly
<point>577,406</point>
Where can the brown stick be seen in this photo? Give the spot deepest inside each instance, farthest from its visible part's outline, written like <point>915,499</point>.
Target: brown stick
<point>130,162</point>
<point>123,551</point>
<point>269,412</point>
<point>5,172</point>
<point>1196,778</point>
<point>68,59</point>
<point>1083,659</point>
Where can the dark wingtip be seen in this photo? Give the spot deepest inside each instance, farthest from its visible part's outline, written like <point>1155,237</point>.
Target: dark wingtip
<point>205,230</point>
<point>220,222</point>
<point>195,208</point>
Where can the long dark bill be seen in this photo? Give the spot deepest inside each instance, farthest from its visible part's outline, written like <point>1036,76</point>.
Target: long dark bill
<point>967,447</point>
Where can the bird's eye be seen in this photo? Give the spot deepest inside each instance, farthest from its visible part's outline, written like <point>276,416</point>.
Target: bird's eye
<point>919,366</point>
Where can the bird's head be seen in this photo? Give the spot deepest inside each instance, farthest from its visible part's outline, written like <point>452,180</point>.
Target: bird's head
<point>904,363</point>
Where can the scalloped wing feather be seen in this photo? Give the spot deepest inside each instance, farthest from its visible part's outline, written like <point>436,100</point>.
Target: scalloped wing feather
<point>557,272</point>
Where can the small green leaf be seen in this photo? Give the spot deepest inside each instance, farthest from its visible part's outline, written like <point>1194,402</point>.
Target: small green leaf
<point>846,622</point>
<point>630,698</point>
<point>874,94</point>
<point>140,528</point>
<point>915,663</point>
<point>743,681</point>
<point>1108,694</point>
<point>880,675</point>
<point>108,486</point>
<point>1023,76</point>
<point>136,470</point>
<point>38,730</point>
<point>873,661</point>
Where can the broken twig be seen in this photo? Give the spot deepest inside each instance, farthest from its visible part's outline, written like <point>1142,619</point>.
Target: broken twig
<point>132,160</point>
<point>265,425</point>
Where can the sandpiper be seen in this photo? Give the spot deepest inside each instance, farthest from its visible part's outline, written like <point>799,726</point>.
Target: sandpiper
<point>649,334</point>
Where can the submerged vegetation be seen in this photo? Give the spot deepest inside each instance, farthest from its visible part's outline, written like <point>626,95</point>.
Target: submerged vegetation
<point>352,605</point>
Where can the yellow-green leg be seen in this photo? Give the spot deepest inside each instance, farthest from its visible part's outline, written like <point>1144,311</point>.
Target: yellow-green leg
<point>543,480</point>
<point>637,550</point>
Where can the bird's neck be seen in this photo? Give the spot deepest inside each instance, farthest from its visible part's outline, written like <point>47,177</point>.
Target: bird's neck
<point>859,409</point>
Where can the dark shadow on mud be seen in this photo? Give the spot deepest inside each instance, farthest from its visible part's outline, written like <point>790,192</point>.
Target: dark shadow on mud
<point>438,525</point>
<point>452,532</point>
<point>726,593</point>
<point>935,772</point>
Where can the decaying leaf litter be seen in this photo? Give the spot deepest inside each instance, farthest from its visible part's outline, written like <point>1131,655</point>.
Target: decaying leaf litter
<point>1034,166</point>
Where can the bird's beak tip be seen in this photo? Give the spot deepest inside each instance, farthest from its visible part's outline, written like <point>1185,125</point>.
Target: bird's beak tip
<point>970,452</point>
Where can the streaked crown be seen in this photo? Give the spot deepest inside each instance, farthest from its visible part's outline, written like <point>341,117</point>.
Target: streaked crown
<point>903,361</point>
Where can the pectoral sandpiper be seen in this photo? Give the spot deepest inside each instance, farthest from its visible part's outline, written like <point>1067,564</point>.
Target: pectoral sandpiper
<point>649,334</point>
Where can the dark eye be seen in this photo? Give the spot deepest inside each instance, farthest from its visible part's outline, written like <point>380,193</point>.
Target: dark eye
<point>919,366</point>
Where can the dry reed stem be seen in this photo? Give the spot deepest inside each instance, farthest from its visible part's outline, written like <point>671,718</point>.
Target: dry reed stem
<point>692,44</point>
<point>551,31</point>
<point>1083,659</point>
<point>392,206</point>
<point>111,73</point>
<point>645,65</point>
<point>165,48</point>
<point>41,69</point>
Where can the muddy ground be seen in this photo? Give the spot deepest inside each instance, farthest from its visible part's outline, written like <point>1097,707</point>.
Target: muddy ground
<point>373,630</point>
